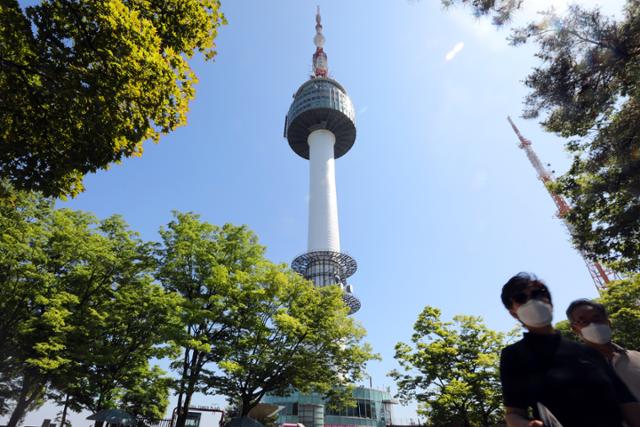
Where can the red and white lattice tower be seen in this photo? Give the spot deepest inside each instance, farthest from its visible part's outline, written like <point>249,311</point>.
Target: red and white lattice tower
<point>599,275</point>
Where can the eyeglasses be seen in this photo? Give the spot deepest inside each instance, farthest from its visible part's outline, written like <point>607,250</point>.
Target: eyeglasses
<point>585,322</point>
<point>538,293</point>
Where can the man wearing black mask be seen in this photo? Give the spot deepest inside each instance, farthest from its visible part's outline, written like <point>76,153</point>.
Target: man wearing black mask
<point>555,377</point>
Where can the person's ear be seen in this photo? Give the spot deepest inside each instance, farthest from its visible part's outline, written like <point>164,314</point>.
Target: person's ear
<point>513,314</point>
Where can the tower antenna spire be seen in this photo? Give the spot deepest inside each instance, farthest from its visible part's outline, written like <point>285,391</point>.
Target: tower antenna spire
<point>599,275</point>
<point>320,67</point>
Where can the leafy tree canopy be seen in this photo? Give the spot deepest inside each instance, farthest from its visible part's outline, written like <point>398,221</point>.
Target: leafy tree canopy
<point>500,11</point>
<point>252,327</point>
<point>84,83</point>
<point>80,315</point>
<point>34,307</point>
<point>564,327</point>
<point>147,396</point>
<point>622,300</point>
<point>289,334</point>
<point>204,264</point>
<point>451,369</point>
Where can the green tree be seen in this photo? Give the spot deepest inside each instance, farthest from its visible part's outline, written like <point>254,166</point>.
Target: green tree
<point>451,369</point>
<point>122,318</point>
<point>84,83</point>
<point>203,262</point>
<point>288,334</point>
<point>147,397</point>
<point>622,300</point>
<point>564,327</point>
<point>33,305</point>
<point>252,327</point>
<point>79,314</point>
<point>501,11</point>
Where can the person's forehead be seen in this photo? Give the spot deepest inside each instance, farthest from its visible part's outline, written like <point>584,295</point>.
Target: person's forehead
<point>585,311</point>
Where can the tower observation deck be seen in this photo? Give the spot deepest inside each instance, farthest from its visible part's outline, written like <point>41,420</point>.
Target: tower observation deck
<point>320,127</point>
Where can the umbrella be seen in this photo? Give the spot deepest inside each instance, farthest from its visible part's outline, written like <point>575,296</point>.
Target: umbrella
<point>264,410</point>
<point>114,416</point>
<point>243,422</point>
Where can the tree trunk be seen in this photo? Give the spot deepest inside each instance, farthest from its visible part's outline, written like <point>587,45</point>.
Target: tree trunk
<point>28,394</point>
<point>99,407</point>
<point>246,407</point>
<point>63,420</point>
<point>185,370</point>
<point>184,410</point>
<point>194,373</point>
<point>19,410</point>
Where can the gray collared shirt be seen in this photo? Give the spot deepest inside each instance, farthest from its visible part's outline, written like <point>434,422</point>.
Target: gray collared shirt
<point>626,363</point>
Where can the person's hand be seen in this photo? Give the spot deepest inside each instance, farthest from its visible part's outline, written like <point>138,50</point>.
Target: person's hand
<point>517,417</point>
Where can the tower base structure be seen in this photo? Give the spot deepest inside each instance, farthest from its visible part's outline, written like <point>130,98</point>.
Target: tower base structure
<point>325,268</point>
<point>373,409</point>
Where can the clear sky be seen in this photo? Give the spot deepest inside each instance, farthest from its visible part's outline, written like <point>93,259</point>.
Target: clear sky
<point>437,203</point>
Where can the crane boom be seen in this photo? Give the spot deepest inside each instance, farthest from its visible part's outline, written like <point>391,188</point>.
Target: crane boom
<point>598,273</point>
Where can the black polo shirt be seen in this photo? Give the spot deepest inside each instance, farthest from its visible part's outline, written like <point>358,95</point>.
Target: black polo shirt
<point>573,381</point>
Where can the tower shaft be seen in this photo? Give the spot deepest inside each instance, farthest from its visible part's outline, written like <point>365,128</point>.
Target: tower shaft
<point>324,232</point>
<point>598,274</point>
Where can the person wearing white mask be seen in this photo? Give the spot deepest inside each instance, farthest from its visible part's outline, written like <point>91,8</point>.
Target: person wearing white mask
<point>590,321</point>
<point>553,378</point>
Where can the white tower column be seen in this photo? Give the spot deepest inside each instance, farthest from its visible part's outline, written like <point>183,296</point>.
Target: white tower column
<point>324,233</point>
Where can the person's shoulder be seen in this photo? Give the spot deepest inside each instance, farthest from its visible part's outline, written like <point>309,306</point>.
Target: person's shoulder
<point>581,349</point>
<point>514,345</point>
<point>572,344</point>
<point>633,354</point>
<point>512,348</point>
<point>510,358</point>
<point>629,351</point>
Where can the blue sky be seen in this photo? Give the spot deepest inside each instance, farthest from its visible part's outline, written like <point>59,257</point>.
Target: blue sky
<point>436,202</point>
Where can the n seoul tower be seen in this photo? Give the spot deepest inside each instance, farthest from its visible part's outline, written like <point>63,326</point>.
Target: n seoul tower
<point>320,127</point>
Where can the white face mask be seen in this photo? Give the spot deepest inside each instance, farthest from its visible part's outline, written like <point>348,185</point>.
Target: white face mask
<point>535,313</point>
<point>597,333</point>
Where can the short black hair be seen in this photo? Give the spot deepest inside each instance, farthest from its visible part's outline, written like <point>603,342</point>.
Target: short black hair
<point>517,284</point>
<point>584,301</point>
